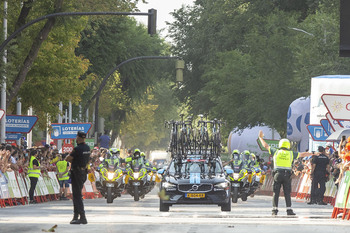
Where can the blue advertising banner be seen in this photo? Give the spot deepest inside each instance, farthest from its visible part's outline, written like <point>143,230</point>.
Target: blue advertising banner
<point>13,136</point>
<point>317,132</point>
<point>326,126</point>
<point>68,130</point>
<point>20,124</point>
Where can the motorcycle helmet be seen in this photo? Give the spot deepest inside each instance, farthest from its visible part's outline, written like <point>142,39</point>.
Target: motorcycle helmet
<point>284,143</point>
<point>137,153</point>
<point>235,154</point>
<point>143,154</point>
<point>246,154</point>
<point>253,157</point>
<point>114,151</point>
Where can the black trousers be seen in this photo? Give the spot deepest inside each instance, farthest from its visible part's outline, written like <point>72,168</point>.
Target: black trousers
<point>318,187</point>
<point>78,178</point>
<point>282,178</point>
<point>33,182</point>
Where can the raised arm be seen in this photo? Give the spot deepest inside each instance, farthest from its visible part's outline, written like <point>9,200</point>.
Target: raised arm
<point>261,135</point>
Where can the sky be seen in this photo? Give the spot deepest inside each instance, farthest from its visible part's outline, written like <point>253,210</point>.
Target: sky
<point>163,7</point>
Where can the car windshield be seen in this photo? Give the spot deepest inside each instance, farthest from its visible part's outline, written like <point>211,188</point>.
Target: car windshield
<point>195,166</point>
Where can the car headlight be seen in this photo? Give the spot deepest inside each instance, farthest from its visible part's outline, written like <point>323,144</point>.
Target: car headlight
<point>223,185</point>
<point>110,175</point>
<point>236,176</point>
<point>168,185</point>
<point>136,175</point>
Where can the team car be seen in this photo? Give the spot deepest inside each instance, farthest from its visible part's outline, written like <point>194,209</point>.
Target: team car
<point>194,180</point>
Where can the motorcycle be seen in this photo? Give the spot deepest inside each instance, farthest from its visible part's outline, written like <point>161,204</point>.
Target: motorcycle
<point>259,179</point>
<point>239,183</point>
<point>151,179</point>
<point>136,182</point>
<point>110,184</point>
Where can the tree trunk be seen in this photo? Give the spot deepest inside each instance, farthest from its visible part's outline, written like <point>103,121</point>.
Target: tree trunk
<point>33,53</point>
<point>27,6</point>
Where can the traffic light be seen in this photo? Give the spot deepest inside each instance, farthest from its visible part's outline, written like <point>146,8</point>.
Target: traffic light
<point>152,21</point>
<point>179,66</point>
<point>344,47</point>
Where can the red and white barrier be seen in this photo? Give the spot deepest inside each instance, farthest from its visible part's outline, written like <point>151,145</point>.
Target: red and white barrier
<point>14,189</point>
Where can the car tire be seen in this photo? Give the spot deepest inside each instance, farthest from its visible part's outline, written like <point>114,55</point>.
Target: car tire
<point>226,206</point>
<point>163,207</point>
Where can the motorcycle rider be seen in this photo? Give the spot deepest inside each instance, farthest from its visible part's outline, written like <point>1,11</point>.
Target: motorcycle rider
<point>255,162</point>
<point>236,160</point>
<point>115,158</point>
<point>135,160</point>
<point>246,159</point>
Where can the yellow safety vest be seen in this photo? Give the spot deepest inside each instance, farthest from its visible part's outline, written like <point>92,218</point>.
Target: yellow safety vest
<point>61,167</point>
<point>283,159</point>
<point>31,171</point>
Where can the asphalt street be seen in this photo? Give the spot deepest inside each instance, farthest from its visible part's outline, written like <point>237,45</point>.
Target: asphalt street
<point>125,215</point>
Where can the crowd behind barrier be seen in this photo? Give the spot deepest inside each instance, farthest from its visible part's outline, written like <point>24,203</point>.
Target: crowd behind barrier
<point>15,184</point>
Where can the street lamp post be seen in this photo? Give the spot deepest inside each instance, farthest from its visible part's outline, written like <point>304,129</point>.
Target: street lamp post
<point>3,85</point>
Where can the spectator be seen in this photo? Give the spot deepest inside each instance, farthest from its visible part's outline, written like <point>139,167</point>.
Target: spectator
<point>105,140</point>
<point>329,149</point>
<point>33,174</point>
<point>63,177</point>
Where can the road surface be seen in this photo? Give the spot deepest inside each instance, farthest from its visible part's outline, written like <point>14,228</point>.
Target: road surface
<point>125,215</point>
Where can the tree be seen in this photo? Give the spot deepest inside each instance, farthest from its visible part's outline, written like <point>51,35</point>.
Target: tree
<point>107,43</point>
<point>246,61</point>
<point>144,126</point>
<point>53,43</point>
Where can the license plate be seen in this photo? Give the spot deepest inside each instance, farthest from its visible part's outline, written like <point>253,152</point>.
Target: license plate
<point>136,183</point>
<point>236,185</point>
<point>109,184</point>
<point>195,195</point>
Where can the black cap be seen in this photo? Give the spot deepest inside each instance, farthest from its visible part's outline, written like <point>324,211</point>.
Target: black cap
<point>81,134</point>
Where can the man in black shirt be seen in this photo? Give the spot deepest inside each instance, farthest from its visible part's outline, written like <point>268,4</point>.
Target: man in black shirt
<point>79,159</point>
<point>320,167</point>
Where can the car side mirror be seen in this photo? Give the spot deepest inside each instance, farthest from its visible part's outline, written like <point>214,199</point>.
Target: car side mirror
<point>161,171</point>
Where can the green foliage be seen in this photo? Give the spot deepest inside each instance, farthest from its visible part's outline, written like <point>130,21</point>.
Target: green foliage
<point>144,126</point>
<point>247,60</point>
<point>55,74</point>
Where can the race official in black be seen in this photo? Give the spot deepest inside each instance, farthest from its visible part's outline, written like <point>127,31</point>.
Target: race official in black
<point>79,159</point>
<point>320,168</point>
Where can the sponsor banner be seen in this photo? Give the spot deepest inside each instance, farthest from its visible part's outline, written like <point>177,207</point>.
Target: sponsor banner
<point>22,186</point>
<point>4,190</point>
<point>68,130</point>
<point>272,143</point>
<point>327,126</point>
<point>13,136</point>
<point>345,124</point>
<point>337,105</point>
<point>20,124</point>
<point>317,132</point>
<point>14,190</point>
<point>54,182</point>
<point>334,123</point>
<point>343,191</point>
